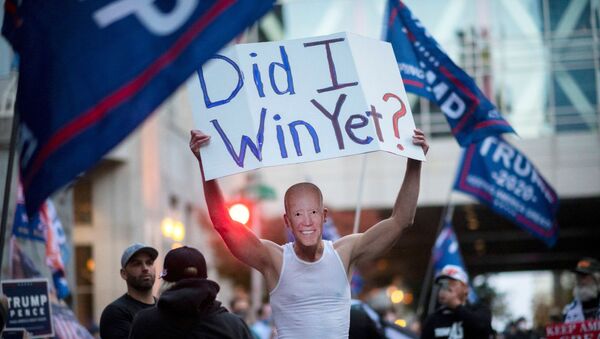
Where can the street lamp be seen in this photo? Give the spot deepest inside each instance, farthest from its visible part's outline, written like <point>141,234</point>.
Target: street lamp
<point>178,231</point>
<point>166,227</point>
<point>174,230</point>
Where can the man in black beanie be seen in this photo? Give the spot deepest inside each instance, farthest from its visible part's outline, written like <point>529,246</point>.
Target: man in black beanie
<point>188,307</point>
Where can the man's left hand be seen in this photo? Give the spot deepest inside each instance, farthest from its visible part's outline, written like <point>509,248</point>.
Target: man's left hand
<point>419,139</point>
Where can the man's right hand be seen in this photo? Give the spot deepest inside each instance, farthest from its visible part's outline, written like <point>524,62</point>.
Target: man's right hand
<point>197,140</point>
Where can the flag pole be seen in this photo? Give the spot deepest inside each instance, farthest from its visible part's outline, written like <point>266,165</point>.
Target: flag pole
<point>446,217</point>
<point>361,186</point>
<point>9,173</point>
<point>435,288</point>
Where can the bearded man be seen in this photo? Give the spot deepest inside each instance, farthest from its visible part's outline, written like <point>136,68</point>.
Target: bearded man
<point>586,301</point>
<point>137,269</point>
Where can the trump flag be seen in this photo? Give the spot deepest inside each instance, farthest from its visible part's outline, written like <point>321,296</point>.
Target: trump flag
<point>446,252</point>
<point>501,177</point>
<point>428,72</point>
<point>91,71</point>
<point>45,226</point>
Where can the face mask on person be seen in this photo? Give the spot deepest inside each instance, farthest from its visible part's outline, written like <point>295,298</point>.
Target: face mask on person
<point>585,292</point>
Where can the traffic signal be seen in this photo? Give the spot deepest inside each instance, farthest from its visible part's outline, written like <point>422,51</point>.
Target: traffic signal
<point>241,211</point>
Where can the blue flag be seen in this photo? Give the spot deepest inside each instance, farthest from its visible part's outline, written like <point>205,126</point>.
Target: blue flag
<point>91,71</point>
<point>45,226</point>
<point>66,324</point>
<point>446,252</point>
<point>428,72</point>
<point>501,177</point>
<point>25,229</point>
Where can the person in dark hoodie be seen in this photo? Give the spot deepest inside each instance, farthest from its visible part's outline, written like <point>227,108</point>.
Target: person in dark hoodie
<point>188,307</point>
<point>456,318</point>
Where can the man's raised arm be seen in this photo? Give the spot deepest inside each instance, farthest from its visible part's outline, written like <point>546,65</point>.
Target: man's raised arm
<point>242,242</point>
<point>382,236</point>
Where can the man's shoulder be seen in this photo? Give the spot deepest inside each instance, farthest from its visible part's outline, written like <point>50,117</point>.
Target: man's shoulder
<point>346,240</point>
<point>478,307</point>
<point>441,312</point>
<point>275,252</point>
<point>222,313</point>
<point>233,322</point>
<point>227,317</point>
<point>118,304</point>
<point>442,315</point>
<point>115,320</point>
<point>149,315</point>
<point>570,306</point>
<point>147,323</point>
<point>219,324</point>
<point>124,306</point>
<point>272,246</point>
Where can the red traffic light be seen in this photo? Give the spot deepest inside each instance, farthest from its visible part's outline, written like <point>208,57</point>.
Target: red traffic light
<point>240,212</point>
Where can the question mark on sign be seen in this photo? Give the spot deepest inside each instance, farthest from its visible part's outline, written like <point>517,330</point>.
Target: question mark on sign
<point>399,114</point>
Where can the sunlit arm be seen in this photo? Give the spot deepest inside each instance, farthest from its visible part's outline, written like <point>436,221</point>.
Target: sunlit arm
<point>240,241</point>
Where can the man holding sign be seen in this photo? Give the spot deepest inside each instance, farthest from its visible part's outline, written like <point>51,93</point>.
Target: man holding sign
<point>308,279</point>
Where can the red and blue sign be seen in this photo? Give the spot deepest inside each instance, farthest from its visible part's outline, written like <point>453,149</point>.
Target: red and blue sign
<point>91,71</point>
<point>428,72</point>
<point>501,177</point>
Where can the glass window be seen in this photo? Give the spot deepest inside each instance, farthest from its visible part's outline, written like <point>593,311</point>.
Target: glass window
<point>82,202</point>
<point>534,59</point>
<point>84,270</point>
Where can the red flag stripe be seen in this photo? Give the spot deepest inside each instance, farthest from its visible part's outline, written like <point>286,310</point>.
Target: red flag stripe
<point>99,111</point>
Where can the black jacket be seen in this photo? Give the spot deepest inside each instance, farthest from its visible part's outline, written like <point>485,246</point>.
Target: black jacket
<point>189,310</point>
<point>468,322</point>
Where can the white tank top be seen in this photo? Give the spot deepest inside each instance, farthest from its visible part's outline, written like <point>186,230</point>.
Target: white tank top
<point>311,299</point>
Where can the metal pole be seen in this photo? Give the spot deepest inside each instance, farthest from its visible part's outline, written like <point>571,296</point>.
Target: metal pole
<point>548,40</point>
<point>361,186</point>
<point>595,13</point>
<point>9,172</point>
<point>445,218</point>
<point>256,279</point>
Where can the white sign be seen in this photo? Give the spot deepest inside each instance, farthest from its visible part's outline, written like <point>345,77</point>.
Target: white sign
<point>285,102</point>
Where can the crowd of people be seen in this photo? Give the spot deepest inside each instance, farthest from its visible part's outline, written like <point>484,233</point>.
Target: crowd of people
<point>307,279</point>
<point>188,307</point>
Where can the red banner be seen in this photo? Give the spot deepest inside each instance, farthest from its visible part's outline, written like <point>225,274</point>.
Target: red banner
<point>589,329</point>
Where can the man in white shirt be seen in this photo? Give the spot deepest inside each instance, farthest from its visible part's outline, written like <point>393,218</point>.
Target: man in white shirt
<point>308,279</point>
